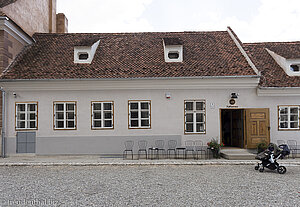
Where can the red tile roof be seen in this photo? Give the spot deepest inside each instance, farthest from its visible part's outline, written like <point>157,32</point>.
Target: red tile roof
<point>129,55</point>
<point>272,74</point>
<point>4,3</point>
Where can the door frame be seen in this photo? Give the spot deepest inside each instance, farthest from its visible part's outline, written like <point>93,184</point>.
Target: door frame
<point>245,123</point>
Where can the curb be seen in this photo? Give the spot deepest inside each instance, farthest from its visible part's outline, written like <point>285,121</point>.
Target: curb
<point>11,164</point>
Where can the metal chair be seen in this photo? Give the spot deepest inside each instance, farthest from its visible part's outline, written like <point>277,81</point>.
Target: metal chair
<point>159,144</point>
<point>128,148</point>
<point>142,148</point>
<point>293,147</point>
<point>279,142</point>
<point>189,147</point>
<point>199,148</point>
<point>171,147</point>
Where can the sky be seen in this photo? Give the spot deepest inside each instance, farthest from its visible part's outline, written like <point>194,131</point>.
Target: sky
<point>252,20</point>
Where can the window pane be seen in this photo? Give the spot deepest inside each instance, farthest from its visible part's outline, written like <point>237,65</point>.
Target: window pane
<point>32,124</point>
<point>107,115</point>
<point>283,110</point>
<point>70,107</point>
<point>107,106</point>
<point>294,118</point>
<point>21,124</point>
<point>107,123</point>
<point>189,117</point>
<point>294,110</point>
<point>59,107</point>
<point>32,116</point>
<point>59,115</point>
<point>283,117</point>
<point>189,128</point>
<point>133,105</point>
<point>97,123</point>
<point>199,105</point>
<point>188,106</point>
<point>70,115</point>
<point>199,117</point>
<point>21,116</point>
<point>31,107</point>
<point>70,124</point>
<point>144,105</point>
<point>145,123</point>
<point>134,114</point>
<point>59,124</point>
<point>134,123</point>
<point>21,107</point>
<point>145,114</point>
<point>97,106</point>
<point>200,127</point>
<point>283,125</point>
<point>294,125</point>
<point>97,115</point>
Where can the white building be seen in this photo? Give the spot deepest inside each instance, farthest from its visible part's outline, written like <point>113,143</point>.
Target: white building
<point>89,93</point>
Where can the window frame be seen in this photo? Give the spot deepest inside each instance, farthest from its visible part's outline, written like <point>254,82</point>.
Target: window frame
<point>194,116</point>
<point>75,115</point>
<point>139,112</point>
<point>36,116</point>
<point>113,116</point>
<point>288,114</point>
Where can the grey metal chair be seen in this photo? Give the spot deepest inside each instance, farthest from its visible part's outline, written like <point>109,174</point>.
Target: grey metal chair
<point>279,142</point>
<point>189,147</point>
<point>293,147</point>
<point>199,148</point>
<point>159,144</point>
<point>128,148</point>
<point>171,147</point>
<point>142,148</point>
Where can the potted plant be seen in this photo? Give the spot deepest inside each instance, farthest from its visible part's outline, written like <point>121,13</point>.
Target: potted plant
<point>214,146</point>
<point>262,146</point>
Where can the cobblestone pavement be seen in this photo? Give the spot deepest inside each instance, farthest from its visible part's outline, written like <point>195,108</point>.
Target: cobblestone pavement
<point>148,186</point>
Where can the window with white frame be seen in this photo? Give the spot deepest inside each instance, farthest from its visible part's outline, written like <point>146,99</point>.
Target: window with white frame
<point>26,115</point>
<point>194,116</point>
<point>102,115</point>
<point>288,117</point>
<point>139,114</point>
<point>64,115</point>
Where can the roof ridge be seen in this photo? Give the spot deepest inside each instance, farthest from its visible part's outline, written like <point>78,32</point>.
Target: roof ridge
<point>257,43</point>
<point>128,33</point>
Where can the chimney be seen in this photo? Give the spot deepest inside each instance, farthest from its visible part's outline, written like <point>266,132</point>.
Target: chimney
<point>61,23</point>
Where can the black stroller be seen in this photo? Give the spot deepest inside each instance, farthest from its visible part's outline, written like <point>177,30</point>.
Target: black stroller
<point>270,156</point>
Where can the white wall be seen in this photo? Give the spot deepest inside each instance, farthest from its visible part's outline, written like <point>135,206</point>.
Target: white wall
<point>167,115</point>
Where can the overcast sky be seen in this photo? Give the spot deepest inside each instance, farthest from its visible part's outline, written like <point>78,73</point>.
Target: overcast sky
<point>252,20</point>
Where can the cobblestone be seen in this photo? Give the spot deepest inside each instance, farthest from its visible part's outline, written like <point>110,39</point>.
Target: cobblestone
<point>152,185</point>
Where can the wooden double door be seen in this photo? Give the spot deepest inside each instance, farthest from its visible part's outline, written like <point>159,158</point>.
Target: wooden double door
<point>245,128</point>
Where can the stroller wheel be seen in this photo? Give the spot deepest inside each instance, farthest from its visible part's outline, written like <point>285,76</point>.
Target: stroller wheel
<point>281,170</point>
<point>261,169</point>
<point>256,167</point>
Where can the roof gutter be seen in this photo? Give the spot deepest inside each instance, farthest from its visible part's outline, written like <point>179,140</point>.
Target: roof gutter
<point>142,78</point>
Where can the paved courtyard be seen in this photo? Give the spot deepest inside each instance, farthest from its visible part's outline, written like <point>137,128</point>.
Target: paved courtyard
<point>148,186</point>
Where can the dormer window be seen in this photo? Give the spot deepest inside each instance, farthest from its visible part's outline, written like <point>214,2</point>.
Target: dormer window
<point>85,51</point>
<point>173,49</point>
<point>295,68</point>
<point>83,56</point>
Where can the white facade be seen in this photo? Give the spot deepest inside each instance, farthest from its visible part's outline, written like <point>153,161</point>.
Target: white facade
<point>167,114</point>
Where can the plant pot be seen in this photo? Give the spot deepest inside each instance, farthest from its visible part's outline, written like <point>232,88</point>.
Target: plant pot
<point>216,152</point>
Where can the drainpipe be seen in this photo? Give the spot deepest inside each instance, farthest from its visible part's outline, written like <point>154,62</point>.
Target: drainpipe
<point>3,123</point>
